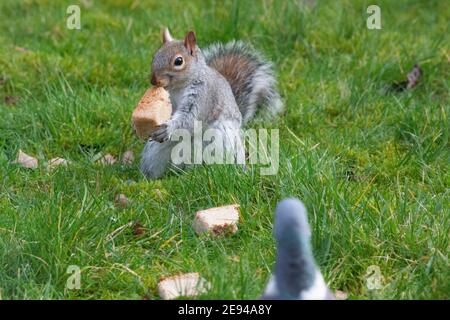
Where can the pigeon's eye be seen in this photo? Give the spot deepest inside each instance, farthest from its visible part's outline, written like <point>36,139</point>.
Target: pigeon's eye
<point>178,61</point>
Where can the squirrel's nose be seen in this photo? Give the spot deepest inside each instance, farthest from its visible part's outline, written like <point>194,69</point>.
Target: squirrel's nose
<point>153,81</point>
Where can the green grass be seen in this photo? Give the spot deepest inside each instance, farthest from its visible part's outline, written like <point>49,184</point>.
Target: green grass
<point>372,167</point>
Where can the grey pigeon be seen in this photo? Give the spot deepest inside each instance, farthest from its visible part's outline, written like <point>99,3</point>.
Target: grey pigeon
<point>296,275</point>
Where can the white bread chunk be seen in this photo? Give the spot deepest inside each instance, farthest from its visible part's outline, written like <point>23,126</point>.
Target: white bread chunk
<point>217,220</point>
<point>108,159</point>
<point>128,157</point>
<point>26,161</point>
<point>56,162</point>
<point>153,109</point>
<point>183,285</point>
<point>340,295</point>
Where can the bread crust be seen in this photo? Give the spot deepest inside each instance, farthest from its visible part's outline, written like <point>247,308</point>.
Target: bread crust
<point>153,109</point>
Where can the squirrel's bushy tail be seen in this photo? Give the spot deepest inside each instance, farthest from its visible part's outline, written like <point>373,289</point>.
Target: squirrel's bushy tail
<point>250,76</point>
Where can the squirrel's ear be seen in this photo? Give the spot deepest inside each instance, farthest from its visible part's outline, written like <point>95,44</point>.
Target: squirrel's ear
<point>189,42</point>
<point>166,37</point>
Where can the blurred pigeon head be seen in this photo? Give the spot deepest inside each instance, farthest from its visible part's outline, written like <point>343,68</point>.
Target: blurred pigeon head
<point>296,275</point>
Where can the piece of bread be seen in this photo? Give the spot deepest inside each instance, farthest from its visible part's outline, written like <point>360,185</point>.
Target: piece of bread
<point>217,220</point>
<point>128,157</point>
<point>183,285</point>
<point>108,159</point>
<point>26,161</point>
<point>55,162</point>
<point>153,109</point>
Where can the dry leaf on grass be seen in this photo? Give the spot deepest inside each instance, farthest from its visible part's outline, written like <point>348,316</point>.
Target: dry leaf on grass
<point>10,100</point>
<point>138,228</point>
<point>413,78</point>
<point>121,200</point>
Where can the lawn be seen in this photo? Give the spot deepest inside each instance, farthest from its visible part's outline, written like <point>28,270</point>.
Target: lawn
<point>371,165</point>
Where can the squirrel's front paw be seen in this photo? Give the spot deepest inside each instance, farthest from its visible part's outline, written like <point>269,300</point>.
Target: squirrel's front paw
<point>162,133</point>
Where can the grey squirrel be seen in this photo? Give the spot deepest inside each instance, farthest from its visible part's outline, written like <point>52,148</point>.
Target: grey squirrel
<point>222,86</point>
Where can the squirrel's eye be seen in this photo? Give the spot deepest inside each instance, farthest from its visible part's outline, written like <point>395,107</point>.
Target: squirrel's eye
<point>178,61</point>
